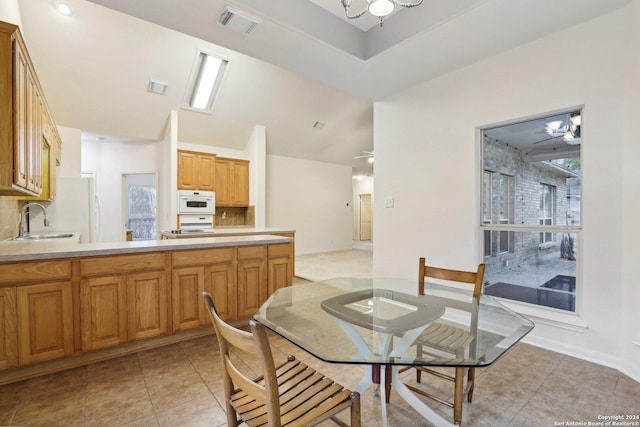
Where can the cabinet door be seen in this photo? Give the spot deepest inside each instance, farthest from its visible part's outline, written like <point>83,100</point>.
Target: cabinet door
<point>252,286</point>
<point>20,151</point>
<point>103,314</point>
<point>35,143</point>
<point>45,322</point>
<point>223,182</point>
<point>8,328</point>
<point>187,170</point>
<point>147,305</point>
<point>206,172</point>
<point>240,184</point>
<point>187,285</point>
<point>220,283</point>
<point>279,274</point>
<point>32,129</point>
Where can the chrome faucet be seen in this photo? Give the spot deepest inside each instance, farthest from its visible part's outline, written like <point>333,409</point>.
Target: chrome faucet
<point>24,213</point>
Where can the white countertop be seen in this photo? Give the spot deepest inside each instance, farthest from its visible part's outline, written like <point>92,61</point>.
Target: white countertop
<point>228,231</point>
<point>51,249</point>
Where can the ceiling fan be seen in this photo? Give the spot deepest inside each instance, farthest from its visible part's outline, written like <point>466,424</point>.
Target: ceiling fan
<point>367,155</point>
<point>568,130</point>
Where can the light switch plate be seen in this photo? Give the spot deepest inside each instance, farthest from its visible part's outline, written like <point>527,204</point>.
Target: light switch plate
<point>388,202</point>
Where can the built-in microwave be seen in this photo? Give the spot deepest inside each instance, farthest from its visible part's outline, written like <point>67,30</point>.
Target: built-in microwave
<point>196,202</point>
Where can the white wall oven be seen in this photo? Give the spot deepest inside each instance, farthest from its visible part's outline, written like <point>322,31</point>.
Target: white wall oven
<point>196,202</point>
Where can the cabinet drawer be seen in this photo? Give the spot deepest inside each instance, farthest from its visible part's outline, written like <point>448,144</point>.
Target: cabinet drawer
<point>277,251</point>
<point>252,252</point>
<point>20,272</point>
<point>201,257</point>
<point>121,263</point>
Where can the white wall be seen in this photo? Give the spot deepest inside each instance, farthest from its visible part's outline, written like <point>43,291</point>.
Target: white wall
<point>427,158</point>
<point>168,177</point>
<point>630,291</point>
<point>110,160</point>
<point>256,152</point>
<point>314,199</point>
<point>10,12</point>
<point>71,160</point>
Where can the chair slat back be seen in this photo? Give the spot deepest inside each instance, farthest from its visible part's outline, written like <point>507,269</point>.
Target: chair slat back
<point>254,342</point>
<point>472,277</point>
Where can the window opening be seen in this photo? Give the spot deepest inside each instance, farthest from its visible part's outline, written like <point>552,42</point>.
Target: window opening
<point>530,210</point>
<point>142,212</point>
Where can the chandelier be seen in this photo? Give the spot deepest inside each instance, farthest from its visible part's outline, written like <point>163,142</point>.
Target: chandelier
<point>379,8</point>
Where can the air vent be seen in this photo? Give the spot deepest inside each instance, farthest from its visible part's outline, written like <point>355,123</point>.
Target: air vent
<point>158,87</point>
<point>237,20</point>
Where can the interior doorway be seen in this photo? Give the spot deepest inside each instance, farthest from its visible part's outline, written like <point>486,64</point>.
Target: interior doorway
<point>140,206</point>
<point>365,217</point>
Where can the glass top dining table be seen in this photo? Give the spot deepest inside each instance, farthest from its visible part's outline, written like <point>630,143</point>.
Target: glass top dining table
<point>379,323</point>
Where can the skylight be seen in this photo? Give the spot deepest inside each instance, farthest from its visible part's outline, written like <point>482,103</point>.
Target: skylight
<point>204,83</point>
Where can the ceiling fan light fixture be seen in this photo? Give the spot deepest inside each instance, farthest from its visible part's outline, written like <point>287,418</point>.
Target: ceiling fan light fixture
<point>63,8</point>
<point>380,8</point>
<point>576,120</point>
<point>554,127</point>
<point>377,8</point>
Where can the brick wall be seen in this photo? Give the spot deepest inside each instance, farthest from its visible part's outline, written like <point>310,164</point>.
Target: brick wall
<point>526,177</point>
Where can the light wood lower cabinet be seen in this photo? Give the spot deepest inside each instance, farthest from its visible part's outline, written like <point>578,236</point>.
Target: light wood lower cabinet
<point>195,271</point>
<point>279,267</point>
<point>103,312</point>
<point>57,308</point>
<point>252,279</point>
<point>147,303</point>
<point>45,322</point>
<point>123,298</point>
<point>8,328</point>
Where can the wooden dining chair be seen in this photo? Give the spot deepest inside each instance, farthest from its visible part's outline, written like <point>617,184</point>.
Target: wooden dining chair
<point>450,339</point>
<point>291,394</point>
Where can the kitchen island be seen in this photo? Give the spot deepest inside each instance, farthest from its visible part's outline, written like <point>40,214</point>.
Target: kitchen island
<point>64,304</point>
<point>237,231</point>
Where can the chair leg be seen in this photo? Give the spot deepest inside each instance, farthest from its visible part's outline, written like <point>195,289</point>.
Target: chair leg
<point>419,355</point>
<point>471,379</point>
<point>457,396</point>
<point>355,409</point>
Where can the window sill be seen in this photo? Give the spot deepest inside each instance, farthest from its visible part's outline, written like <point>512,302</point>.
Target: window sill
<point>568,321</point>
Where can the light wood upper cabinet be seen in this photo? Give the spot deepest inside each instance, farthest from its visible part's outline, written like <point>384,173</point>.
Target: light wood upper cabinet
<point>232,182</point>
<point>24,120</point>
<point>196,171</point>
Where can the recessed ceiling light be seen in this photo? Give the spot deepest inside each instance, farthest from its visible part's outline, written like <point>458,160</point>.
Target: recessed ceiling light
<point>63,8</point>
<point>205,81</point>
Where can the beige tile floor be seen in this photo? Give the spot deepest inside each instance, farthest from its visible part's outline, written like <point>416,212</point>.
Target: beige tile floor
<point>180,385</point>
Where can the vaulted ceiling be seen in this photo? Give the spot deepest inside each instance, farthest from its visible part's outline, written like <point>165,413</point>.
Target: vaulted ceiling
<point>302,63</point>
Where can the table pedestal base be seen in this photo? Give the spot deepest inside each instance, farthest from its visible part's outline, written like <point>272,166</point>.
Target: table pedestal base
<point>374,375</point>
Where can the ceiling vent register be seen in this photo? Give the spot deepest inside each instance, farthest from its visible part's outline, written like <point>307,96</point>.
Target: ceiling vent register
<point>237,20</point>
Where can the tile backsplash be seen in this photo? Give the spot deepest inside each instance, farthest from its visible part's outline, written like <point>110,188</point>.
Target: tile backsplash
<point>9,211</point>
<point>235,216</point>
